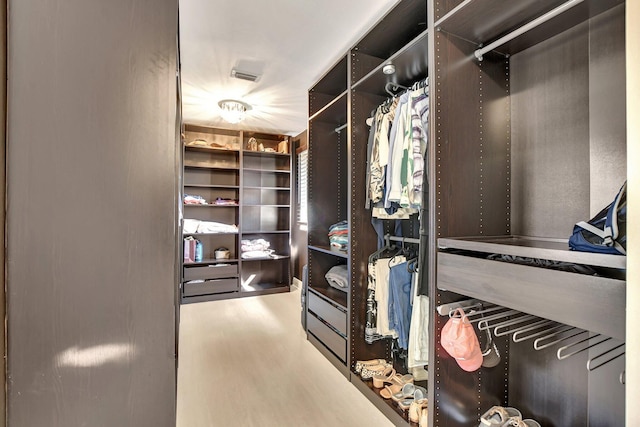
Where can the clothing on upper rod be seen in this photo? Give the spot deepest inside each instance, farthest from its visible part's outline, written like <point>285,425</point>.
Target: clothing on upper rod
<point>395,155</point>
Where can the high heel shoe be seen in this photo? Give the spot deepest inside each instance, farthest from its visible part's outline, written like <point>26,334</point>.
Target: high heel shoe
<point>395,385</point>
<point>383,377</point>
<point>368,372</point>
<point>367,363</point>
<point>418,405</point>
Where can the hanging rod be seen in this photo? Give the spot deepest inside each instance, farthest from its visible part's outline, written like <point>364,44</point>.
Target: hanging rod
<point>339,128</point>
<point>445,309</point>
<point>402,239</point>
<point>526,27</point>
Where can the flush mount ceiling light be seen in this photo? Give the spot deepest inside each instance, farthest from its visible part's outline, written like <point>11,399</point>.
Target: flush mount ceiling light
<point>233,111</point>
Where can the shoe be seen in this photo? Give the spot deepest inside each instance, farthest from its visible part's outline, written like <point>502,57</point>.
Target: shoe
<point>397,382</point>
<point>424,418</point>
<point>416,407</point>
<point>515,422</point>
<point>366,363</point>
<point>407,392</point>
<point>368,372</point>
<point>498,416</point>
<point>383,377</point>
<point>419,394</point>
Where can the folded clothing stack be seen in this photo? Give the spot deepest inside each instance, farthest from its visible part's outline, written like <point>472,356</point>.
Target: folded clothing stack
<point>194,200</point>
<point>197,226</point>
<point>339,236</point>
<point>257,248</point>
<point>338,277</point>
<point>220,201</point>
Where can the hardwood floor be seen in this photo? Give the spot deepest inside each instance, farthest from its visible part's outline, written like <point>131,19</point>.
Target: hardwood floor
<point>246,362</point>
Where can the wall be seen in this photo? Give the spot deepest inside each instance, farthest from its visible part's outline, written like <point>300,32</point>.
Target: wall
<point>298,233</point>
<point>3,103</point>
<point>91,213</point>
<point>633,218</point>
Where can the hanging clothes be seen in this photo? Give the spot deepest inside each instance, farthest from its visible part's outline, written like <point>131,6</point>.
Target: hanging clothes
<point>396,146</point>
<point>400,281</point>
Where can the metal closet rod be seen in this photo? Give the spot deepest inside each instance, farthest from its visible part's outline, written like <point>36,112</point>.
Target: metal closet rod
<point>402,239</point>
<point>526,27</point>
<point>339,128</point>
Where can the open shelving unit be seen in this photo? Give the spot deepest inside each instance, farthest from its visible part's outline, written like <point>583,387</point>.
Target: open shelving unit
<point>220,165</point>
<point>517,134</point>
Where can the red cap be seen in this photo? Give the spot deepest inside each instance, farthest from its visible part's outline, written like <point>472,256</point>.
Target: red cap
<point>459,339</point>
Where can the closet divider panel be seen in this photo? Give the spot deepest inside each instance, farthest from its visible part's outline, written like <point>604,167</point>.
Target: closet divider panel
<point>363,236</point>
<point>472,190</point>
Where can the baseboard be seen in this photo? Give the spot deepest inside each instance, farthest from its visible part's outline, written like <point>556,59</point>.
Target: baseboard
<point>296,284</point>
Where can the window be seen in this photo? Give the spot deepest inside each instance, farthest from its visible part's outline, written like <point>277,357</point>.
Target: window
<point>303,176</point>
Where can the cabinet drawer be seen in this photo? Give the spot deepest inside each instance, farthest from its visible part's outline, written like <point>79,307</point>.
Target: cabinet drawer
<point>190,289</point>
<point>329,313</point>
<point>331,339</point>
<point>589,302</point>
<point>211,271</point>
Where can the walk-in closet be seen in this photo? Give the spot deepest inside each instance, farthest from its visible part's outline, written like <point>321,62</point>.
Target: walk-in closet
<point>418,213</point>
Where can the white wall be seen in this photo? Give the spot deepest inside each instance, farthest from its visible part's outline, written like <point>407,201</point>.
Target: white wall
<point>633,218</point>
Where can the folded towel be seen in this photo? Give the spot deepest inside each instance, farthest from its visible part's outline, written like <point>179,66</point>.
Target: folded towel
<point>338,277</point>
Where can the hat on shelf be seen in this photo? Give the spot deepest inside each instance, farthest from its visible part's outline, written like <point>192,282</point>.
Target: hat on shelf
<point>459,339</point>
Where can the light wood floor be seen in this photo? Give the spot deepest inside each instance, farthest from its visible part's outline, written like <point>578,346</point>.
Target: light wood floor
<point>246,362</point>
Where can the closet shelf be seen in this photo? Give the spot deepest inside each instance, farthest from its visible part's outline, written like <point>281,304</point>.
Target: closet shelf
<point>411,65</point>
<point>483,21</point>
<point>230,187</point>
<point>247,187</point>
<point>588,302</point>
<point>249,153</point>
<point>532,247</point>
<point>267,170</point>
<point>209,167</point>
<point>210,261</point>
<point>209,234</point>
<point>210,149</point>
<point>208,206</point>
<point>265,206</point>
<point>269,258</point>
<point>265,231</point>
<point>328,250</point>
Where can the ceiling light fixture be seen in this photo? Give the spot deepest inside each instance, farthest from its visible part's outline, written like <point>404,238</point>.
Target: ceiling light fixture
<point>233,111</point>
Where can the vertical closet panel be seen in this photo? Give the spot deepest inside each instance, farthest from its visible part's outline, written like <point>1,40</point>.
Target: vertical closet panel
<point>550,135</point>
<point>363,237</point>
<point>92,196</point>
<point>607,96</point>
<point>472,170</point>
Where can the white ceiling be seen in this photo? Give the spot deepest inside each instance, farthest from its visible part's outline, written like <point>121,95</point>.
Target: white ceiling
<point>291,43</point>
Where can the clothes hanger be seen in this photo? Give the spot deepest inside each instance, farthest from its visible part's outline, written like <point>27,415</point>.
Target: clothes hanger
<point>390,87</point>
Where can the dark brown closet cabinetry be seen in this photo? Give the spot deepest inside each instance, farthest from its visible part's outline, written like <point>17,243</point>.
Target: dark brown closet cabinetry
<point>329,182</point>
<point>528,139</point>
<point>339,105</point>
<point>237,206</point>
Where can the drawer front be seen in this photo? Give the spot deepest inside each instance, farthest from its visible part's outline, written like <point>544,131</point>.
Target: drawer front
<point>211,271</point>
<point>190,289</point>
<point>331,339</point>
<point>588,302</point>
<point>330,314</point>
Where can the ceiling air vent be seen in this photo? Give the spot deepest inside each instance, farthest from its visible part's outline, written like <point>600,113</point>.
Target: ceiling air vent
<point>242,75</point>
